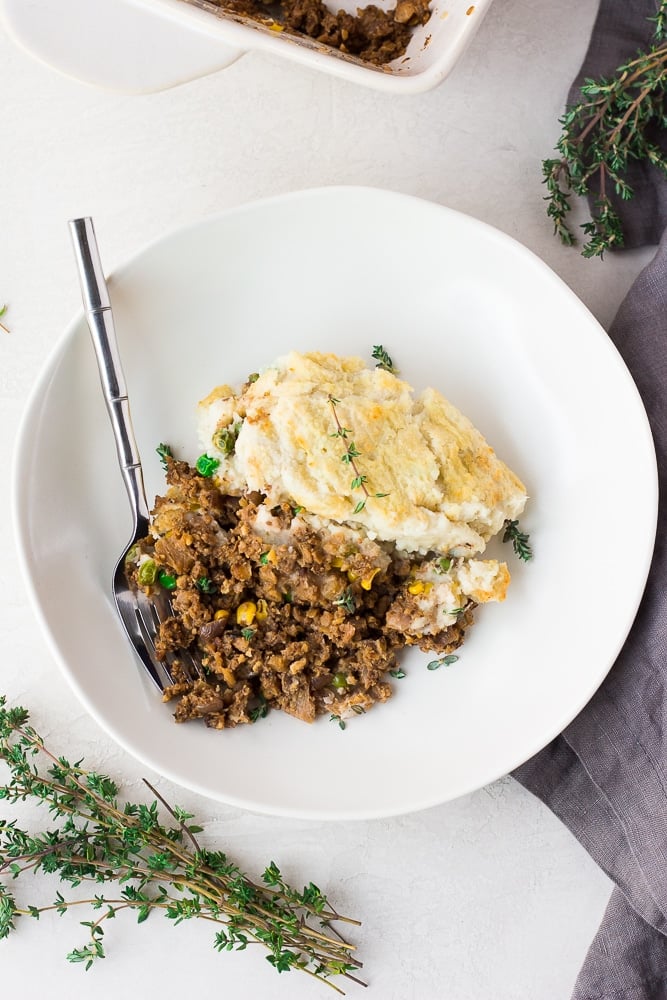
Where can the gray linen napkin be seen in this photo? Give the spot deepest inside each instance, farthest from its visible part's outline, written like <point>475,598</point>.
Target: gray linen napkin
<point>605,776</point>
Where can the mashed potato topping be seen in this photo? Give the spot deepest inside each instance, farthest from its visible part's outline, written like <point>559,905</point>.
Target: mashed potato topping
<point>446,490</point>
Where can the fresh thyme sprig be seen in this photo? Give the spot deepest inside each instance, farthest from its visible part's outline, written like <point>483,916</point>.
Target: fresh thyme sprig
<point>261,710</point>
<point>164,452</point>
<point>613,125</point>
<point>346,600</point>
<point>3,310</point>
<point>154,867</point>
<point>349,455</point>
<point>383,360</point>
<point>519,539</point>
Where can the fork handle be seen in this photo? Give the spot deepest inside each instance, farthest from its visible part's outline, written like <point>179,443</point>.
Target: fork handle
<point>97,308</point>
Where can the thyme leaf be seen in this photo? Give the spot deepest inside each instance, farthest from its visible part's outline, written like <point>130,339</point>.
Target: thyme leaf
<point>140,863</point>
<point>165,452</point>
<point>442,661</point>
<point>260,711</point>
<point>3,310</point>
<point>346,600</point>
<point>519,539</point>
<point>383,360</point>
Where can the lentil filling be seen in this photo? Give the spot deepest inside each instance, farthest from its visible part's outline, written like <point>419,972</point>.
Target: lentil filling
<point>372,34</point>
<point>283,616</point>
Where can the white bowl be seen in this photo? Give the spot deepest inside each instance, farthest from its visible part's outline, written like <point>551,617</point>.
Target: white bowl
<point>105,42</point>
<point>469,311</point>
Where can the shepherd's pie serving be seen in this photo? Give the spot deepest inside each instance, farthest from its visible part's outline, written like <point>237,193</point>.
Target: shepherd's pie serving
<point>333,519</point>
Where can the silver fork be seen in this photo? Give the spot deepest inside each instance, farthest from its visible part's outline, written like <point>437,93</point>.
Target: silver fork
<point>141,617</point>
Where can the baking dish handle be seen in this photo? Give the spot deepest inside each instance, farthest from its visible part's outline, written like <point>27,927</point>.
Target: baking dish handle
<point>123,45</point>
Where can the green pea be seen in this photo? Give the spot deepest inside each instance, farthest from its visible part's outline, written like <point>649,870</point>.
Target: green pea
<point>206,465</point>
<point>339,681</point>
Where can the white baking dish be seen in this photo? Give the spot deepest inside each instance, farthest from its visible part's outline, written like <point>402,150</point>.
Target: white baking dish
<point>146,45</point>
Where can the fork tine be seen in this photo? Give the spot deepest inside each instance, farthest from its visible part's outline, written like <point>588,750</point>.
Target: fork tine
<point>148,633</point>
<point>142,617</point>
<point>188,663</point>
<point>126,606</point>
<point>192,663</point>
<point>132,627</point>
<point>160,608</point>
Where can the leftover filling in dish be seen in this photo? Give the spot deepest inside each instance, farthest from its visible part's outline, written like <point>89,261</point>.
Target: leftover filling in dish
<point>372,34</point>
<point>333,519</point>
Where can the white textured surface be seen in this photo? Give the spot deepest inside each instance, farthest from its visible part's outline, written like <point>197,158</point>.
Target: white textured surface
<point>488,896</point>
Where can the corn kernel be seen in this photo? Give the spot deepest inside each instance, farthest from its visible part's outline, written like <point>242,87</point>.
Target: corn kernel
<point>221,614</point>
<point>337,563</point>
<point>228,676</point>
<point>262,610</point>
<point>245,613</point>
<point>352,577</point>
<point>367,581</point>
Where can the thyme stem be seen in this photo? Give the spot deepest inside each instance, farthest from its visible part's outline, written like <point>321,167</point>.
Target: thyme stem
<point>349,455</point>
<point>350,451</point>
<point>161,868</point>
